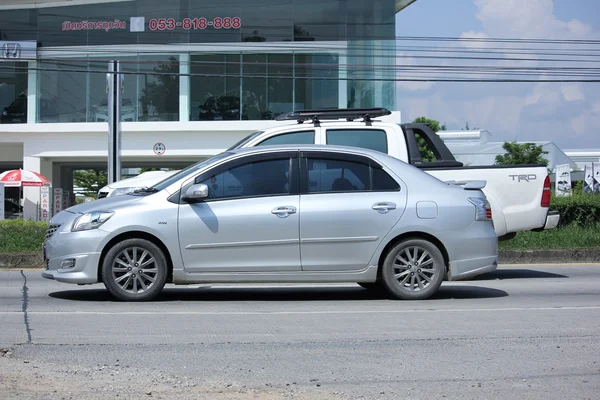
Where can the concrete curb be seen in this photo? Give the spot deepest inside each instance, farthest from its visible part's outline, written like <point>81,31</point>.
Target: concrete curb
<point>33,260</point>
<point>549,256</point>
<point>24,260</point>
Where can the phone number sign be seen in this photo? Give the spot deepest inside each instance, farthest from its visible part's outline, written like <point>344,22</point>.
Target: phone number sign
<point>169,24</point>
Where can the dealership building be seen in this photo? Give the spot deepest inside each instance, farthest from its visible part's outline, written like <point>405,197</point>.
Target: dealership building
<point>198,75</point>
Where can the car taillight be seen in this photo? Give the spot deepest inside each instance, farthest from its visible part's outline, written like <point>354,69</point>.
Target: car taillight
<point>483,210</point>
<point>546,192</point>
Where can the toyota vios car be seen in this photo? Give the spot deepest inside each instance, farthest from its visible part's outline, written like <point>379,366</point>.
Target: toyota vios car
<point>279,214</point>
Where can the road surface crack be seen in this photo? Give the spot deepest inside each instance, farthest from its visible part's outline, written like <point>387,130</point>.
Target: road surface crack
<point>25,291</point>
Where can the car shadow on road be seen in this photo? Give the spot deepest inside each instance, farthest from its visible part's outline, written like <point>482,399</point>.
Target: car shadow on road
<point>232,294</point>
<point>516,273</point>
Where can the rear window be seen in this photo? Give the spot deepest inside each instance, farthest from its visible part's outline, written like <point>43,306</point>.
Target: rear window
<point>373,139</point>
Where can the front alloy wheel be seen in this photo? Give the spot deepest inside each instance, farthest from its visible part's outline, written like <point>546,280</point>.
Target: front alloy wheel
<point>134,270</point>
<point>413,269</point>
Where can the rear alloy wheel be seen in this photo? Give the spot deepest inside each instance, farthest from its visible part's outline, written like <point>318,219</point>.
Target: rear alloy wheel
<point>413,270</point>
<point>134,270</point>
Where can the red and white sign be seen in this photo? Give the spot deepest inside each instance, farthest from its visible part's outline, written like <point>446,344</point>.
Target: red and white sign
<point>45,204</point>
<point>58,202</point>
<point>66,198</point>
<point>159,149</point>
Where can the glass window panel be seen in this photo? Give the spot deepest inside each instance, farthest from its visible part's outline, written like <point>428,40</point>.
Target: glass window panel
<point>382,181</point>
<point>307,137</point>
<point>97,98</point>
<point>373,139</point>
<point>254,86</point>
<point>280,84</point>
<point>13,92</point>
<point>317,84</point>
<point>215,87</point>
<point>62,94</point>
<point>159,88</point>
<point>337,176</point>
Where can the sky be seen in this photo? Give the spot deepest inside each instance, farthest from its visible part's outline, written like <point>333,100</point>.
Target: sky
<point>565,113</point>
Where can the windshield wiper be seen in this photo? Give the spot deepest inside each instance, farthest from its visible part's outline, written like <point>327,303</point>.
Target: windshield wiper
<point>146,190</point>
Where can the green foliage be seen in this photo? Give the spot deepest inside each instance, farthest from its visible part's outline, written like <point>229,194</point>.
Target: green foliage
<point>17,235</point>
<point>90,180</point>
<point>426,153</point>
<point>579,209</point>
<point>568,237</point>
<point>432,123</point>
<point>525,153</point>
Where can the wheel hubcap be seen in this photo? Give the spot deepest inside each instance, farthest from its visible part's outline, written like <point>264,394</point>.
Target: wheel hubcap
<point>414,268</point>
<point>134,270</point>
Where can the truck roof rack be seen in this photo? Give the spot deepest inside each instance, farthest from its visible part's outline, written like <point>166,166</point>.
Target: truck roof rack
<point>350,114</point>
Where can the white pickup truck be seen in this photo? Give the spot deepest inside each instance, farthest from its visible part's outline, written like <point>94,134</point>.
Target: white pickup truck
<point>519,194</point>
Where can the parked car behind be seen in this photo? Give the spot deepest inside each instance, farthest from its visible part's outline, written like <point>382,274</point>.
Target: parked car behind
<point>124,186</point>
<point>246,215</point>
<point>221,108</point>
<point>12,210</point>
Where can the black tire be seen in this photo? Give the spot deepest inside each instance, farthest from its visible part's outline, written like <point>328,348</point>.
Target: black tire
<point>132,264</point>
<point>402,270</point>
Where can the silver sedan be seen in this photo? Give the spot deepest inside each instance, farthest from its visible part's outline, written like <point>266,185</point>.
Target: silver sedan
<point>279,214</point>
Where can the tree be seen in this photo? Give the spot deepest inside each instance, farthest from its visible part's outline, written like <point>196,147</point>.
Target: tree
<point>163,92</point>
<point>90,180</point>
<point>426,152</point>
<point>521,153</point>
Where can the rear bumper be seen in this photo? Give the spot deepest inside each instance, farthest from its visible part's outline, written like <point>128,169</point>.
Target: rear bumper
<point>472,267</point>
<point>552,220</point>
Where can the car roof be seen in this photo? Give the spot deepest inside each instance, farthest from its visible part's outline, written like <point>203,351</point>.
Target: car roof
<point>315,147</point>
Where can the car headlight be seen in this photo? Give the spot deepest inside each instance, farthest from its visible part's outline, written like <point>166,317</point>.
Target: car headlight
<point>122,191</point>
<point>91,220</point>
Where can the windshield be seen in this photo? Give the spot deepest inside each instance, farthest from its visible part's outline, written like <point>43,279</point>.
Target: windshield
<point>189,170</point>
<point>244,140</point>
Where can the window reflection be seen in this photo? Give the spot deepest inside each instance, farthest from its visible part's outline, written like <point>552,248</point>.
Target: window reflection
<point>13,93</point>
<point>75,91</point>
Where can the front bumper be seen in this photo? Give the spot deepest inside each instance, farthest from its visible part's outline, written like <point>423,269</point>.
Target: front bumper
<point>73,257</point>
<point>84,271</point>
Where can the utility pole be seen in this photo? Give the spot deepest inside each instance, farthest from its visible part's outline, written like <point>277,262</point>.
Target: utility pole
<point>114,87</point>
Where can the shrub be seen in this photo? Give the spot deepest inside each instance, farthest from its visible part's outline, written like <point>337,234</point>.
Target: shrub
<point>17,235</point>
<point>579,209</point>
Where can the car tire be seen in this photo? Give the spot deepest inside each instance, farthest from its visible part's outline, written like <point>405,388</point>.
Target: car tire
<point>134,270</point>
<point>408,275</point>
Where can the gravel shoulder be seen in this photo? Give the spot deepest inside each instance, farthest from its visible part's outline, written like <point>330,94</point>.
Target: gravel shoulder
<point>34,380</point>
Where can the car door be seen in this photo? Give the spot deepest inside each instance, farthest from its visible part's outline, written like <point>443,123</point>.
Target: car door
<point>349,204</point>
<point>250,220</point>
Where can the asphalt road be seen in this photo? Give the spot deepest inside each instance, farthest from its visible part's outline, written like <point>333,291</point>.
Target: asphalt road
<point>526,332</point>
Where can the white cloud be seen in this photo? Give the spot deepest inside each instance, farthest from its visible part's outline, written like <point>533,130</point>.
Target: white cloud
<point>572,92</point>
<point>527,19</point>
<point>543,111</point>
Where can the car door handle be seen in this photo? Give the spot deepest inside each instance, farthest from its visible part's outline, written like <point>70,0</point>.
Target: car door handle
<point>283,211</point>
<point>384,207</point>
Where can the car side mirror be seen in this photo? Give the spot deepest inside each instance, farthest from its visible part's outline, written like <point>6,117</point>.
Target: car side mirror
<point>196,193</point>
